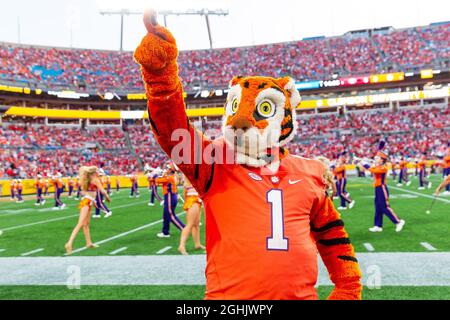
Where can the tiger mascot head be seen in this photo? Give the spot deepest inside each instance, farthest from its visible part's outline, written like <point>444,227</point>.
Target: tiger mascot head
<point>260,118</point>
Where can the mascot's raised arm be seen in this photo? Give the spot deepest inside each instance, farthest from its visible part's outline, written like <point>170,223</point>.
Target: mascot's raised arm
<point>267,211</point>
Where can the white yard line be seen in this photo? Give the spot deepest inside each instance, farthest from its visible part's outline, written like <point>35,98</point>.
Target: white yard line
<point>120,235</point>
<point>32,252</point>
<point>428,246</point>
<point>39,222</point>
<point>369,247</point>
<point>165,249</point>
<point>63,218</point>
<point>420,194</point>
<point>12,211</point>
<point>1,250</point>
<point>118,250</point>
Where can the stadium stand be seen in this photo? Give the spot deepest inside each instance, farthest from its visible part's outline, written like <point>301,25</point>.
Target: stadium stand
<point>315,59</point>
<point>36,148</point>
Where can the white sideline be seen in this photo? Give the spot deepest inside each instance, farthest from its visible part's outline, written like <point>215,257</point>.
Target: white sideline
<point>428,246</point>
<point>369,247</point>
<point>120,235</point>
<point>118,250</point>
<point>164,250</point>
<point>32,252</point>
<point>394,269</point>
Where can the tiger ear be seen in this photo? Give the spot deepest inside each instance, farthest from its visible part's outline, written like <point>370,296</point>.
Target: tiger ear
<point>288,84</point>
<point>235,81</point>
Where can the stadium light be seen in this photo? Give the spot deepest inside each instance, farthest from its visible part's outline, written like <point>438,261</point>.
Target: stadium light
<point>164,9</point>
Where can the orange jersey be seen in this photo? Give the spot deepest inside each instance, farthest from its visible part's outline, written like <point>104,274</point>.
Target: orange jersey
<point>446,163</point>
<point>168,183</point>
<point>340,172</point>
<point>19,186</point>
<point>403,164</point>
<point>58,183</point>
<point>379,175</point>
<point>277,257</point>
<point>422,165</point>
<point>71,182</point>
<point>40,184</point>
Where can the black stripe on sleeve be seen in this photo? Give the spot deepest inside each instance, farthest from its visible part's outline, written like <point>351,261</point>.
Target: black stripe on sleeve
<point>348,258</point>
<point>153,125</point>
<point>328,226</point>
<point>208,184</point>
<point>334,242</point>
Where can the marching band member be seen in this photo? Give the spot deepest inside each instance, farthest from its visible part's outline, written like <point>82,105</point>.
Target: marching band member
<point>90,186</point>
<point>58,184</point>
<point>70,184</point>
<point>446,170</point>
<point>423,174</point>
<point>192,206</point>
<point>78,186</point>
<point>39,184</point>
<point>341,183</point>
<point>108,185</point>
<point>19,189</point>
<point>382,206</point>
<point>134,186</point>
<point>46,187</point>
<point>117,184</point>
<point>169,184</point>
<point>99,198</point>
<point>403,174</point>
<point>153,188</point>
<point>12,189</point>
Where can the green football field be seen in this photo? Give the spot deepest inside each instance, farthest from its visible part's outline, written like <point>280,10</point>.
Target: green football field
<point>29,231</point>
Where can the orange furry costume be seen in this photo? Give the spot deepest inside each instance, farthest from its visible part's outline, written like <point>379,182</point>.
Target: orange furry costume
<point>258,223</point>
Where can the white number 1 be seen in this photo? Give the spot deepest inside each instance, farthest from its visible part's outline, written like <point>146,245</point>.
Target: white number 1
<point>277,240</point>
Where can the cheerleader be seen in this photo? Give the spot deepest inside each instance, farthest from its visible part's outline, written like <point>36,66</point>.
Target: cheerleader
<point>90,185</point>
<point>192,206</point>
<point>329,177</point>
<point>443,185</point>
<point>382,206</point>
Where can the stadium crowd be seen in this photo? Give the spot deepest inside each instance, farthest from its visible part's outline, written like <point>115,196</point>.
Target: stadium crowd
<point>315,59</point>
<point>26,150</point>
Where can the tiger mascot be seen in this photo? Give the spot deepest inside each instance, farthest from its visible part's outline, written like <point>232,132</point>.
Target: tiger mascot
<point>267,212</point>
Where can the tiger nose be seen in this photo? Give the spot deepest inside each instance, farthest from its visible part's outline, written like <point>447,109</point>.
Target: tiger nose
<point>241,123</point>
